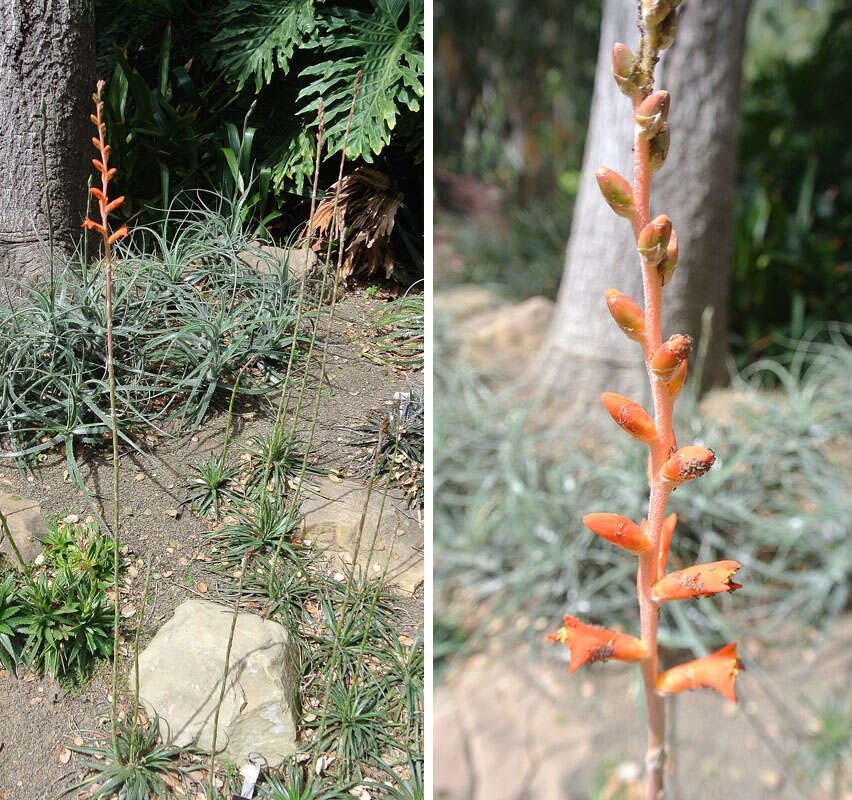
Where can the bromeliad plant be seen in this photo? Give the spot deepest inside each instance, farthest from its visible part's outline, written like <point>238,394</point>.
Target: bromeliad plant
<point>668,466</point>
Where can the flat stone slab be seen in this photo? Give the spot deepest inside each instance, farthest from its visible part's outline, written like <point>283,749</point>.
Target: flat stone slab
<point>180,678</point>
<point>26,524</point>
<point>331,519</point>
<point>270,259</point>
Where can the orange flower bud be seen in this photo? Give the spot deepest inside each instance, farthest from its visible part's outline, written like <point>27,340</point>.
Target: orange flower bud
<point>651,114</point>
<point>666,533</point>
<point>659,147</point>
<point>589,644</point>
<point>119,234</point>
<point>627,315</point>
<point>676,383</point>
<point>115,203</point>
<point>618,530</point>
<point>687,463</point>
<point>623,65</point>
<point>669,355</point>
<point>654,239</point>
<point>616,192</point>
<point>630,416</point>
<point>716,671</point>
<point>98,193</point>
<point>99,165</point>
<point>699,580</point>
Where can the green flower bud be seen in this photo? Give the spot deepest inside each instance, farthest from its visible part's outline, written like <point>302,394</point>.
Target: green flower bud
<point>623,69</point>
<point>659,147</point>
<point>616,192</point>
<point>651,114</point>
<point>667,266</point>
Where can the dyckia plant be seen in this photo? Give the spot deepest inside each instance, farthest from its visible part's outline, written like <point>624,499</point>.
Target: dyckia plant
<point>668,466</point>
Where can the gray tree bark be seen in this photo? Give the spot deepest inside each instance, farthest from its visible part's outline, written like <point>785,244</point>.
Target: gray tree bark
<point>585,353</point>
<point>47,52</point>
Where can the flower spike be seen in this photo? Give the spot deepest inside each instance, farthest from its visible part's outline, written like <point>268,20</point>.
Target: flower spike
<point>716,671</point>
<point>589,644</point>
<point>700,580</point>
<point>630,416</point>
<point>618,530</point>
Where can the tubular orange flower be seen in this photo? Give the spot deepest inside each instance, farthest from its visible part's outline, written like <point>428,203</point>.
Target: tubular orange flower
<point>699,580</point>
<point>589,644</point>
<point>618,530</point>
<point>687,463</point>
<point>716,671</point>
<point>630,416</point>
<point>627,315</point>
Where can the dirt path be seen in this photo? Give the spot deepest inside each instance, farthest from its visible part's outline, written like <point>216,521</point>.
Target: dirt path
<point>38,717</point>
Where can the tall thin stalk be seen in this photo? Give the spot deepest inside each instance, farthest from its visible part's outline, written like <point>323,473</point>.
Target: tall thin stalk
<point>243,568</point>
<point>105,206</point>
<point>668,466</point>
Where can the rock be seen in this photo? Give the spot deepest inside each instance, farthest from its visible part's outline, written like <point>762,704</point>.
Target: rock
<point>331,518</point>
<point>504,340</point>
<point>466,300</point>
<point>180,678</point>
<point>26,525</point>
<point>268,259</point>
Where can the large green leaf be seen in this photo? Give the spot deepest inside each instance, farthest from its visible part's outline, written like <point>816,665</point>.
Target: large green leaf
<point>386,46</point>
<point>256,35</point>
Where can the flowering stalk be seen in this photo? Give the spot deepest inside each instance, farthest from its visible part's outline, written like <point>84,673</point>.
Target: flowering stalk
<point>666,364</point>
<point>102,227</point>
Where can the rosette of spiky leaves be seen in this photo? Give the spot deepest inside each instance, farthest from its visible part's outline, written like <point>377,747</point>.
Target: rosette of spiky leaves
<point>354,722</point>
<point>80,548</point>
<point>211,485</point>
<point>12,622</point>
<point>133,765</point>
<point>261,525</point>
<point>68,623</point>
<point>404,670</point>
<point>296,784</point>
<point>398,452</point>
<point>399,334</point>
<point>277,458</point>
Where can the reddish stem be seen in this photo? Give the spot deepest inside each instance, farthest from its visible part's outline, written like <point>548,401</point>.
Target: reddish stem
<point>648,572</point>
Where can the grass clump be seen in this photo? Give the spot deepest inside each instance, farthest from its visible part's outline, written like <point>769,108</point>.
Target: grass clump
<point>188,315</point>
<point>399,333</point>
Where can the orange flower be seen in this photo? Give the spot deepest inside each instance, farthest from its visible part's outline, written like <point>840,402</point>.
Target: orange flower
<point>589,644</point>
<point>687,463</point>
<point>630,416</point>
<point>618,530</point>
<point>716,671</point>
<point>697,581</point>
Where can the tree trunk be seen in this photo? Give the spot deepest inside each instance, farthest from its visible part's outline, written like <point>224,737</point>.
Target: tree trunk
<point>585,352</point>
<point>47,53</point>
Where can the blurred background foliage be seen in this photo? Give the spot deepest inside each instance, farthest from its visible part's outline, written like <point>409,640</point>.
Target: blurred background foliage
<point>513,86</point>
<point>224,96</point>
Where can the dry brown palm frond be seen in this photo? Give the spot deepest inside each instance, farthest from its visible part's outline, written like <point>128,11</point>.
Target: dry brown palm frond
<point>367,203</point>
